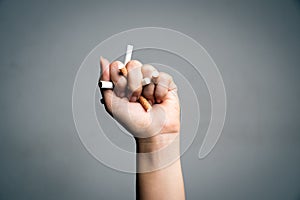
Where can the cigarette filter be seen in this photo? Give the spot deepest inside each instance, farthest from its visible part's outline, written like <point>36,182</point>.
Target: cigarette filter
<point>123,70</point>
<point>146,105</point>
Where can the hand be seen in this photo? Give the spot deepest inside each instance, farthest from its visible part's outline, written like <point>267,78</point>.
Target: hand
<point>121,102</point>
<point>159,169</point>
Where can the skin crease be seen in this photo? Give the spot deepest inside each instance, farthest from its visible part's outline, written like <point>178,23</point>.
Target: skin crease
<point>152,130</point>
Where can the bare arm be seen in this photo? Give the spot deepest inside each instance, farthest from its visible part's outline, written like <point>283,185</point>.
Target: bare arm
<point>156,132</point>
<point>166,181</point>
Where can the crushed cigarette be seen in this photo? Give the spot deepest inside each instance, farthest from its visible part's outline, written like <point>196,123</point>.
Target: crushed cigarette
<point>146,81</point>
<point>123,70</point>
<point>143,101</point>
<point>155,75</point>
<point>128,54</point>
<point>106,85</point>
<point>146,105</point>
<point>110,85</point>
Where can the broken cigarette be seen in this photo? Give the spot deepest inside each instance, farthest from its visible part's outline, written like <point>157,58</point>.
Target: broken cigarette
<point>110,85</point>
<point>146,81</point>
<point>106,85</point>
<point>123,70</point>
<point>155,75</point>
<point>143,101</point>
<point>146,105</point>
<point>128,54</point>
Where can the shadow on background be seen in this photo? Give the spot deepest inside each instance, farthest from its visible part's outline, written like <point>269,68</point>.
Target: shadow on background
<point>298,6</point>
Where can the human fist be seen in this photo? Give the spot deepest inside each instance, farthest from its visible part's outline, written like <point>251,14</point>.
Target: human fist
<point>121,102</point>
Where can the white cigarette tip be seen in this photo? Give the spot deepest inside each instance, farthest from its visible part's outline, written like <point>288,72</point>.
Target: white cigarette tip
<point>155,74</point>
<point>128,53</point>
<point>129,46</point>
<point>146,81</point>
<point>106,85</point>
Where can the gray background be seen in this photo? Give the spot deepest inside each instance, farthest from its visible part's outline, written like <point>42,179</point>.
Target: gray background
<point>255,45</point>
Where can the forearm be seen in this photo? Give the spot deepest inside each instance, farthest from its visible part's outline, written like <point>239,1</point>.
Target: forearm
<point>159,167</point>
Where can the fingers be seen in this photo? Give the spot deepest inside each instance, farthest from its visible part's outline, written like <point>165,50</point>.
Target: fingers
<point>157,90</point>
<point>164,85</point>
<point>105,76</point>
<point>153,92</point>
<point>134,80</point>
<point>119,81</point>
<point>110,72</point>
<point>148,90</point>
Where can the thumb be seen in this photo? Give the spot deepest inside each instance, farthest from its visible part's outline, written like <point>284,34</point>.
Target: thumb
<point>104,65</point>
<point>110,98</point>
<point>105,76</point>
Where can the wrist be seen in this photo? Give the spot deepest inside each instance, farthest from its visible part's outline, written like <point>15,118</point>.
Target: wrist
<point>157,152</point>
<point>155,143</point>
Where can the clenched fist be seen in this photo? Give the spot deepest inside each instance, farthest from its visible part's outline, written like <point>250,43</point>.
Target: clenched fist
<point>122,102</point>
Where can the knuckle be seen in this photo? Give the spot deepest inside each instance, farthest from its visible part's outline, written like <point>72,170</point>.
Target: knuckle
<point>115,64</point>
<point>163,85</point>
<point>147,68</point>
<point>133,64</point>
<point>166,76</point>
<point>134,87</point>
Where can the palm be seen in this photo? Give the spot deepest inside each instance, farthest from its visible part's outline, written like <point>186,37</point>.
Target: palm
<point>163,118</point>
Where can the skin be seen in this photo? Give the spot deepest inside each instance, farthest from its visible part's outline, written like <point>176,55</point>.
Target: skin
<point>156,132</point>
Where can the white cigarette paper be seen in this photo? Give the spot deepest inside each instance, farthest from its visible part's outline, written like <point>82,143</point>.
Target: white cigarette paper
<point>106,85</point>
<point>155,75</point>
<point>146,81</point>
<point>110,85</point>
<point>128,54</point>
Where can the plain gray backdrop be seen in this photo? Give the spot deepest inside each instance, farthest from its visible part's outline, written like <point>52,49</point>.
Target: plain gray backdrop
<point>255,45</point>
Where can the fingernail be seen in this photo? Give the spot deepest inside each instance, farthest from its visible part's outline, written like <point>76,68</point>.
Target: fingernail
<point>133,99</point>
<point>103,61</point>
